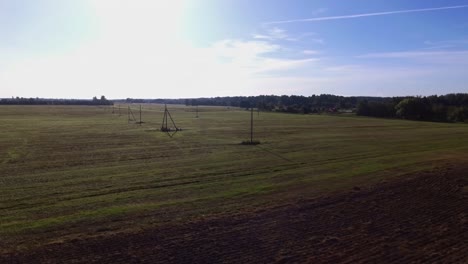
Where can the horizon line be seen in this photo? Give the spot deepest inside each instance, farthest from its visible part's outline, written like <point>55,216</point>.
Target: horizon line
<point>211,97</point>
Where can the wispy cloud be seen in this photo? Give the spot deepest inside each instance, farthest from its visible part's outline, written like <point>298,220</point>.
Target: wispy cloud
<point>311,52</point>
<point>242,49</point>
<point>251,56</point>
<point>446,44</point>
<point>412,54</point>
<point>274,34</point>
<point>278,34</point>
<point>426,57</point>
<point>314,19</point>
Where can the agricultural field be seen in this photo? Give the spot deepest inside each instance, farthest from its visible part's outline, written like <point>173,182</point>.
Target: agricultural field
<point>81,184</point>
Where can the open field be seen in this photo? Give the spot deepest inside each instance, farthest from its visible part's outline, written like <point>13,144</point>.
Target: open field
<point>76,178</point>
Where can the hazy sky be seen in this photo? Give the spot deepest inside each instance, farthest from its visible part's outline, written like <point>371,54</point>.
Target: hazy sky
<point>194,48</point>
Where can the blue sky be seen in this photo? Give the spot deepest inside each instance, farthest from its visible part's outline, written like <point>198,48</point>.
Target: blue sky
<point>194,48</point>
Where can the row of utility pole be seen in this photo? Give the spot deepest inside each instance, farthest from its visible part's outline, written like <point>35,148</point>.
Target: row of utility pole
<point>167,116</point>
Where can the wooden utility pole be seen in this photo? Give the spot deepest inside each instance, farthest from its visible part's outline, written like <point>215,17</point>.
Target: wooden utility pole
<point>251,141</point>
<point>251,125</point>
<point>140,115</point>
<point>164,122</point>
<point>128,114</point>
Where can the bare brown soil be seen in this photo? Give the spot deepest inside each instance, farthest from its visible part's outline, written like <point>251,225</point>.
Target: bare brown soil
<point>420,218</point>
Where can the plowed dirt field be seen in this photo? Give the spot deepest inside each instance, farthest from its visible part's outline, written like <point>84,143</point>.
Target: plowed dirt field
<point>418,218</point>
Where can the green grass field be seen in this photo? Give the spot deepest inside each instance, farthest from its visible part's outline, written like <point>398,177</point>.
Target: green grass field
<point>77,171</point>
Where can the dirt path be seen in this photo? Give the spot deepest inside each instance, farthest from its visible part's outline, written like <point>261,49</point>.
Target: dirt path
<point>422,218</point>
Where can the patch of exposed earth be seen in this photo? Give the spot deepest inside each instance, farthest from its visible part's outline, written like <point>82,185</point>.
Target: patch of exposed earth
<point>418,218</point>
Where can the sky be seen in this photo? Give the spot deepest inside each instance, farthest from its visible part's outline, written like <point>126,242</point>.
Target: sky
<point>207,48</point>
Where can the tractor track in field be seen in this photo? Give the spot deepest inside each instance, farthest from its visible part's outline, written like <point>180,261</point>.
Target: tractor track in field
<point>417,218</point>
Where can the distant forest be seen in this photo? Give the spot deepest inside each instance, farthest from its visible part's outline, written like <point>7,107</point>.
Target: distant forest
<point>42,101</point>
<point>444,108</point>
<point>284,103</point>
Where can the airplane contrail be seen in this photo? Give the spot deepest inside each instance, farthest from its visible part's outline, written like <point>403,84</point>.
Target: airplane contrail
<point>365,15</point>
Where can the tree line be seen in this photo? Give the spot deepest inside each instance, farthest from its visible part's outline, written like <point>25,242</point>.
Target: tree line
<point>291,104</point>
<point>44,101</point>
<point>443,108</point>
